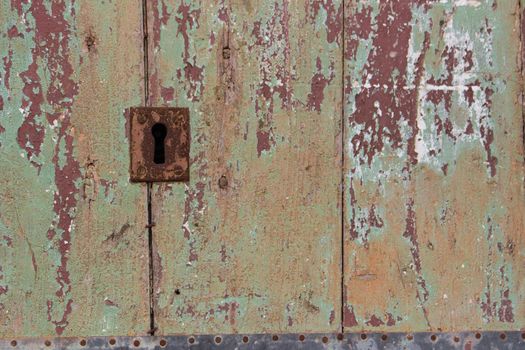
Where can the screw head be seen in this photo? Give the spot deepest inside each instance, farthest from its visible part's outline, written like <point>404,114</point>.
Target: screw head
<point>142,118</point>
<point>178,171</point>
<point>141,171</point>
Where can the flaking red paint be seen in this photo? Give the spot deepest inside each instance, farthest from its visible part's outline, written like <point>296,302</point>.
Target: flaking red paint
<point>355,163</point>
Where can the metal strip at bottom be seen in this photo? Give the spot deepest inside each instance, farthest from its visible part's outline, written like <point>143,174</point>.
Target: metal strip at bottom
<point>369,341</point>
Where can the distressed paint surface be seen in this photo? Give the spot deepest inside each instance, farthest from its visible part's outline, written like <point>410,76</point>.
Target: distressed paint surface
<point>73,248</point>
<point>252,243</point>
<point>434,200</point>
<point>433,171</point>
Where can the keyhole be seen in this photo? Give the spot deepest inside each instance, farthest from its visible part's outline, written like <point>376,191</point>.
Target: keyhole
<point>159,132</point>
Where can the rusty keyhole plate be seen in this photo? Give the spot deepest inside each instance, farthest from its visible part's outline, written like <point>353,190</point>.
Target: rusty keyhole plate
<point>145,166</point>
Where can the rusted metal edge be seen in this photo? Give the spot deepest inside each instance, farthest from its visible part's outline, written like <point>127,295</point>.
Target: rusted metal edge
<point>175,162</point>
<point>371,341</point>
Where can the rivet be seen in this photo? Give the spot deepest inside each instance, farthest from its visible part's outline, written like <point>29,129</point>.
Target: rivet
<point>141,171</point>
<point>142,118</point>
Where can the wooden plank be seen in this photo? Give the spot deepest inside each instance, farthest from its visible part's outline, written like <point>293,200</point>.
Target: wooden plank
<point>434,198</point>
<point>73,247</point>
<point>252,243</point>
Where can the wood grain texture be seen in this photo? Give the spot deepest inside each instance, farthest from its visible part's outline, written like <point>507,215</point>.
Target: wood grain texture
<point>416,104</point>
<point>73,248</point>
<point>252,243</point>
<point>434,198</point>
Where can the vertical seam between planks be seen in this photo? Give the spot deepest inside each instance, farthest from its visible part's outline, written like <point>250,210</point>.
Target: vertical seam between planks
<point>145,48</point>
<point>342,296</point>
<point>151,275</point>
<point>521,56</point>
<point>521,80</point>
<point>150,263</point>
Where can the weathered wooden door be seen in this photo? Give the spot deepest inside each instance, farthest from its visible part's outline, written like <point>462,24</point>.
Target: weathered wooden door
<point>356,178</point>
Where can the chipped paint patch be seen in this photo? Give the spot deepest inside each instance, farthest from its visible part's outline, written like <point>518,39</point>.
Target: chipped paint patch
<point>248,227</point>
<point>64,186</point>
<point>431,99</point>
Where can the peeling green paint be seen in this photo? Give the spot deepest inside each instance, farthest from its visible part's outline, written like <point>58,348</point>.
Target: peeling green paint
<point>64,179</point>
<point>412,108</point>
<point>262,254</point>
<point>433,147</point>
